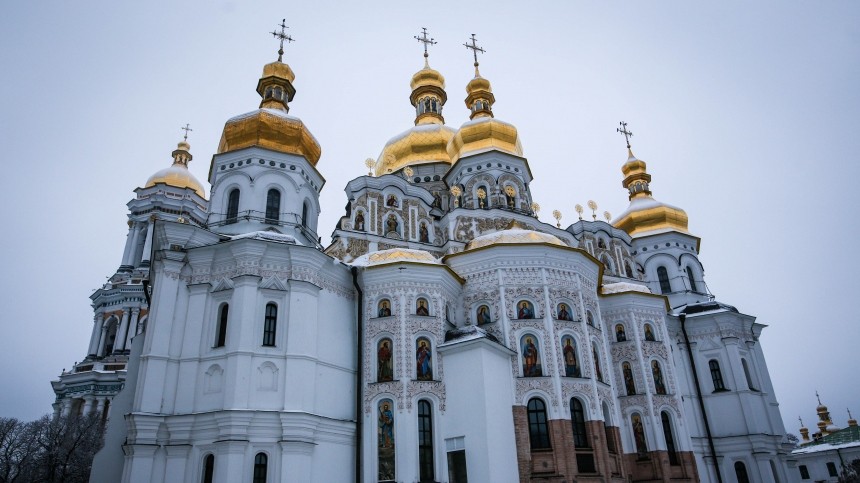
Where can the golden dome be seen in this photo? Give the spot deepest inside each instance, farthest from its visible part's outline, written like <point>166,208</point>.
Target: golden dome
<point>645,214</point>
<point>484,134</point>
<point>427,77</point>
<point>270,126</point>
<point>178,175</point>
<point>514,236</point>
<point>422,144</point>
<point>395,255</point>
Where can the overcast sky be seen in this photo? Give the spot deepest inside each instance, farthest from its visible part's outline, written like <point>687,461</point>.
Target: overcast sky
<point>746,113</point>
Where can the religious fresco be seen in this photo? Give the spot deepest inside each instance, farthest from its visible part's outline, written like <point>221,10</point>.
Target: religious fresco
<point>629,383</point>
<point>649,333</point>
<point>589,318</point>
<point>596,358</point>
<point>359,221</point>
<point>423,234</point>
<point>531,356</point>
<point>525,310</point>
<point>384,308</point>
<point>384,361</point>
<point>482,316</point>
<point>564,312</point>
<point>620,335</point>
<point>391,225</point>
<point>385,440</point>
<point>421,307</point>
<point>571,362</point>
<point>391,201</point>
<point>639,435</point>
<point>659,385</point>
<point>423,360</point>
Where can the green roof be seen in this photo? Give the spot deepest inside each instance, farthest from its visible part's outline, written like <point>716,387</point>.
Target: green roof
<point>851,434</point>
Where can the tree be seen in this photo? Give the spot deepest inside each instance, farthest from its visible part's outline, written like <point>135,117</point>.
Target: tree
<point>850,472</point>
<point>49,450</point>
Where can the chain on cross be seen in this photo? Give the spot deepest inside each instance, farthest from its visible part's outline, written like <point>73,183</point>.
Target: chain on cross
<point>282,35</point>
<point>187,129</point>
<point>427,41</point>
<point>623,130</point>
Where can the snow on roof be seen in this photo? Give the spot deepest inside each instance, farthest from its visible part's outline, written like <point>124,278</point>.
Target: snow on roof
<point>268,236</point>
<point>394,255</point>
<point>619,287</point>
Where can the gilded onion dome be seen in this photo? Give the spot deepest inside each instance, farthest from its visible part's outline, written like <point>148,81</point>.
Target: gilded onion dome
<point>271,126</point>
<point>177,175</point>
<point>483,132</point>
<point>427,141</point>
<point>514,236</point>
<point>645,214</point>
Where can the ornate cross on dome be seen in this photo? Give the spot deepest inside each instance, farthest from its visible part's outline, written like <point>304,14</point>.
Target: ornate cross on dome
<point>282,35</point>
<point>425,40</point>
<point>623,130</point>
<point>187,129</point>
<point>818,397</point>
<point>475,49</point>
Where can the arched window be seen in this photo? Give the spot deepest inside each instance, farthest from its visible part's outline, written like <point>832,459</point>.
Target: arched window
<point>596,356</point>
<point>261,467</point>
<point>649,333</point>
<point>663,277</point>
<point>270,324</point>
<point>692,279</point>
<point>629,382</point>
<point>425,441</point>
<point>221,333</point>
<point>748,375</point>
<point>607,429</point>
<point>659,385</point>
<point>589,318</point>
<point>577,420</point>
<point>305,211</point>
<point>483,201</point>
<point>639,436</point>
<point>232,206</point>
<point>273,206</point>
<point>741,472</point>
<point>208,468</point>
<point>538,429</point>
<point>716,375</point>
<point>571,361</point>
<point>670,440</point>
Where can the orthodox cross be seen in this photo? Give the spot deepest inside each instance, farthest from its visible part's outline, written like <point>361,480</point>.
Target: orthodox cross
<point>282,35</point>
<point>623,130</point>
<point>801,421</point>
<point>475,49</point>
<point>818,397</point>
<point>425,40</point>
<point>186,129</point>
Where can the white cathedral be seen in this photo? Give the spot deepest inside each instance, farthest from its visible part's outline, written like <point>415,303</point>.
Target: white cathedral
<point>445,334</point>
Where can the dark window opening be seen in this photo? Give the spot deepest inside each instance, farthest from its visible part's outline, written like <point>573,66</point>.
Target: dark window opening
<point>425,441</point>
<point>585,463</point>
<point>716,375</point>
<point>577,420</point>
<point>270,325</point>
<point>273,206</point>
<point>457,467</point>
<point>663,277</point>
<point>670,441</point>
<point>221,333</point>
<point>305,215</point>
<point>261,467</point>
<point>538,429</point>
<point>750,384</point>
<point>692,279</point>
<point>208,468</point>
<point>232,206</point>
<point>831,469</point>
<point>741,472</point>
<point>804,472</point>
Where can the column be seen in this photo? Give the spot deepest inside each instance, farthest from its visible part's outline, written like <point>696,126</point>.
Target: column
<point>100,406</point>
<point>67,407</point>
<point>102,341</point>
<point>126,254</point>
<point>98,321</point>
<point>88,406</point>
<point>147,244</point>
<point>132,328</point>
<point>119,342</point>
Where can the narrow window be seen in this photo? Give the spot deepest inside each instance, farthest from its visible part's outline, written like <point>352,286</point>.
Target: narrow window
<point>670,441</point>
<point>538,430</point>
<point>607,429</point>
<point>663,277</point>
<point>425,441</point>
<point>577,420</point>
<point>221,333</point>
<point>232,206</point>
<point>208,468</point>
<point>305,214</point>
<point>692,279</point>
<point>804,472</point>
<point>270,324</point>
<point>747,374</point>
<point>457,466</point>
<point>741,472</point>
<point>261,467</point>
<point>831,469</point>
<point>273,206</point>
<point>716,375</point>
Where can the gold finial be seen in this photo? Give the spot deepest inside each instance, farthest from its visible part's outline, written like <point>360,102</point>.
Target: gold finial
<point>607,216</point>
<point>282,35</point>
<point>427,42</point>
<point>579,210</point>
<point>557,215</point>
<point>408,172</point>
<point>369,163</point>
<point>187,128</point>
<point>475,49</point>
<point>623,130</point>
<point>180,219</point>
<point>535,209</point>
<point>593,206</point>
<point>456,192</point>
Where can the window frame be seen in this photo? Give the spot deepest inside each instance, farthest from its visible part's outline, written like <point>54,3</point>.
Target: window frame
<point>270,324</point>
<point>577,423</point>
<point>663,279</point>
<point>273,206</point>
<point>221,325</point>
<point>669,438</point>
<point>426,460</point>
<point>717,376</point>
<point>539,438</point>
<point>261,466</point>
<point>233,197</point>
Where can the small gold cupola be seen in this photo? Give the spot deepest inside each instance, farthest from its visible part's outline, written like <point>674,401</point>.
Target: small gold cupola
<point>428,89</point>
<point>645,214</point>
<point>482,132</point>
<point>271,126</point>
<point>177,175</point>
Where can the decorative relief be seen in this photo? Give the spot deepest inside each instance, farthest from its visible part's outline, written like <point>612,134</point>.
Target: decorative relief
<point>374,389</point>
<point>655,349</point>
<point>577,388</point>
<point>661,401</point>
<point>414,388</point>
<point>522,276</point>
<point>513,294</point>
<point>526,384</point>
<point>638,401</point>
<point>623,351</point>
<point>606,395</point>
